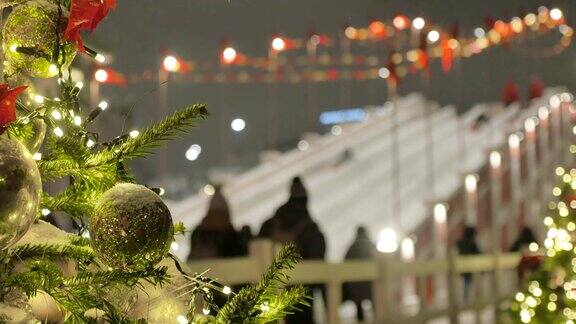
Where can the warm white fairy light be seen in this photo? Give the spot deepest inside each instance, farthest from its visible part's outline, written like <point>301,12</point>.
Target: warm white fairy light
<point>556,14</point>
<point>533,247</point>
<point>418,23</point>
<point>101,75</point>
<point>433,36</point>
<point>265,307</point>
<point>209,190</point>
<point>226,290</point>
<point>303,145</point>
<point>58,132</point>
<point>100,58</point>
<point>134,133</point>
<point>206,311</point>
<point>161,191</point>
<point>229,55</point>
<point>174,246</point>
<point>530,125</point>
<point>103,105</point>
<point>440,213</point>
<point>171,63</point>
<point>79,85</point>
<point>39,99</point>
<point>388,241</point>
<point>90,143</point>
<point>238,124</point>
<point>56,114</point>
<point>278,44</point>
<point>37,156</point>
<point>182,319</point>
<point>479,32</point>
<point>45,211</point>
<point>495,159</point>
<point>77,120</point>
<point>52,69</point>
<point>336,130</point>
<point>514,141</point>
<point>470,183</point>
<point>14,48</point>
<point>384,73</point>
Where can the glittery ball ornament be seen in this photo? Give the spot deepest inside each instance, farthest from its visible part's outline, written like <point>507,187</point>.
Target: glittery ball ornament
<point>131,227</point>
<point>30,39</point>
<point>20,191</point>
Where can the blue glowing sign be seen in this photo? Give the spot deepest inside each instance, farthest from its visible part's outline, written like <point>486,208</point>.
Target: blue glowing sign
<point>352,115</point>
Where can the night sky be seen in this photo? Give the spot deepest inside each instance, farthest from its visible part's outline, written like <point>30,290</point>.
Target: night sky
<point>137,31</point>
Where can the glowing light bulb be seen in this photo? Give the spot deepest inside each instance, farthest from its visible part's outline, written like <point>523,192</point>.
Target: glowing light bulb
<point>495,159</point>
<point>45,211</point>
<point>407,248</point>
<point>543,113</point>
<point>227,290</point>
<point>433,36</point>
<point>336,130</point>
<point>56,114</point>
<point>470,183</point>
<point>193,152</point>
<point>303,145</point>
<point>103,105</point>
<point>101,75</point>
<point>514,141</point>
<point>39,99</point>
<point>182,319</point>
<point>238,124</point>
<point>100,58</point>
<point>440,213</point>
<point>79,85</point>
<point>530,125</point>
<point>161,191</point>
<point>229,55</point>
<point>14,48</point>
<point>58,132</point>
<point>52,69</point>
<point>206,311</point>
<point>90,143</point>
<point>479,32</point>
<point>556,14</point>
<point>418,23</point>
<point>209,190</point>
<point>383,73</point>
<point>77,120</point>
<point>278,44</point>
<point>37,156</point>
<point>171,63</point>
<point>388,241</point>
<point>174,246</point>
<point>134,133</point>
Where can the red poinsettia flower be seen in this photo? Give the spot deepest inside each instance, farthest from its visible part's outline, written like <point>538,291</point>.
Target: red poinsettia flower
<point>8,104</point>
<point>86,15</point>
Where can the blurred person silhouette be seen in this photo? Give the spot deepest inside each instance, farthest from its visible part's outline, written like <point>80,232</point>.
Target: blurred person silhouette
<point>467,246</point>
<point>536,88</point>
<point>215,237</point>
<point>510,93</point>
<point>245,237</point>
<point>292,223</point>
<point>361,249</point>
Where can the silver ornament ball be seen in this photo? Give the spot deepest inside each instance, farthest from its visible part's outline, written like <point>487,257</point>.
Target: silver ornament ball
<point>20,191</point>
<point>131,227</point>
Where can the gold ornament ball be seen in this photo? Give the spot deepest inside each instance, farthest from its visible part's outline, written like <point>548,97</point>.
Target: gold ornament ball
<point>30,39</point>
<point>20,191</point>
<point>131,227</point>
<point>45,308</point>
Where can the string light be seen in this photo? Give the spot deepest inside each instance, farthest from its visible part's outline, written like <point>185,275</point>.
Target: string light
<point>56,114</point>
<point>238,124</point>
<point>77,120</point>
<point>134,133</point>
<point>495,159</point>
<point>229,55</point>
<point>193,152</point>
<point>440,213</point>
<point>388,241</point>
<point>383,73</point>
<point>226,290</point>
<point>101,75</point>
<point>433,36</point>
<point>58,132</point>
<point>418,23</point>
<point>90,143</point>
<point>556,14</point>
<point>336,130</point>
<point>278,44</point>
<point>174,246</point>
<point>209,190</point>
<point>182,319</point>
<point>45,211</point>
<point>79,85</point>
<point>37,156</point>
<point>39,99</point>
<point>303,145</point>
<point>171,63</point>
<point>206,311</point>
<point>470,183</point>
<point>479,32</point>
<point>103,105</point>
<point>52,69</point>
<point>100,58</point>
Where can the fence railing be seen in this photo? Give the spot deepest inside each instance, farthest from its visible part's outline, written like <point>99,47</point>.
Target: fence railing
<point>391,280</point>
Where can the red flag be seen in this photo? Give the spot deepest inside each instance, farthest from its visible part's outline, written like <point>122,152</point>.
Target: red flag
<point>8,104</point>
<point>86,15</point>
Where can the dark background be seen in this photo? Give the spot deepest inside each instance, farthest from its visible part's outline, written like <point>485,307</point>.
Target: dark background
<point>137,31</point>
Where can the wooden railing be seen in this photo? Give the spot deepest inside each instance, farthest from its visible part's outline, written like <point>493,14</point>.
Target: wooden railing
<point>391,280</point>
